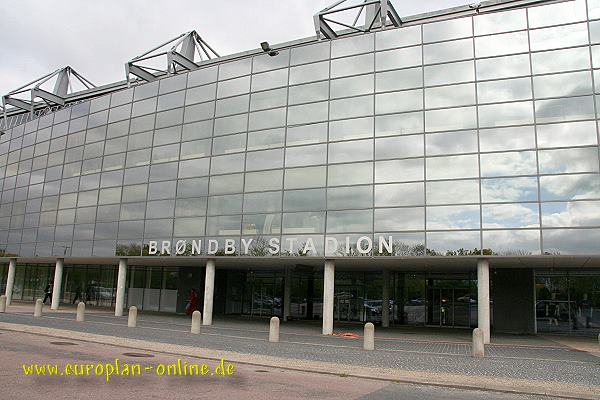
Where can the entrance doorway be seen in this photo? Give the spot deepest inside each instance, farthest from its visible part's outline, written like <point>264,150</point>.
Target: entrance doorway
<point>450,303</point>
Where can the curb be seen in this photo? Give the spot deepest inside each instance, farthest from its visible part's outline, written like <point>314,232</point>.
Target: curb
<point>510,386</point>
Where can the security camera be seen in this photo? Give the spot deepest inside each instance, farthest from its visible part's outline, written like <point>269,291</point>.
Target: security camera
<point>267,49</point>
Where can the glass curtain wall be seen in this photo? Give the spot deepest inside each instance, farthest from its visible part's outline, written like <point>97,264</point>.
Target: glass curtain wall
<point>153,288</point>
<point>568,302</point>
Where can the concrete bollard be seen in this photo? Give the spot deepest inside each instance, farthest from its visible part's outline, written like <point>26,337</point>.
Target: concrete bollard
<point>274,330</point>
<point>196,321</point>
<point>2,303</point>
<point>478,347</point>
<point>80,312</point>
<point>132,320</point>
<point>37,311</point>
<point>369,336</point>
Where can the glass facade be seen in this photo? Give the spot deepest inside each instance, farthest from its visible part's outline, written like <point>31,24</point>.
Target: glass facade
<point>476,135</point>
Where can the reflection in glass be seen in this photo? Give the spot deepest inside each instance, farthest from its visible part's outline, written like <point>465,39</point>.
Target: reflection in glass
<point>360,150</point>
<point>399,124</point>
<point>502,44</point>
<point>511,215</point>
<point>309,73</point>
<point>351,108</point>
<point>450,96</point>
<point>572,84</point>
<point>505,90</point>
<point>351,129</point>
<point>560,60</point>
<point>572,214</point>
<point>453,192</point>
<point>505,21</point>
<point>446,30</point>
<point>448,51</point>
<point>399,79</point>
<point>352,86</point>
<point>512,243</point>
<point>452,243</point>
<point>400,219</point>
<point>514,138</point>
<point>399,170</point>
<point>568,160</point>
<point>304,200</point>
<point>265,180</point>
<point>304,222</point>
<point>400,58</point>
<point>349,197</point>
<point>306,155</point>
<point>298,178</point>
<point>567,134</point>
<point>559,110</point>
<point>463,71</point>
<point>452,167</point>
<point>505,114</point>
<point>453,217</point>
<point>350,221</point>
<point>558,36</point>
<point>503,67</point>
<point>570,187</point>
<point>406,36</point>
<point>399,147</point>
<point>450,119</point>
<point>507,164</point>
<point>399,194</point>
<point>509,189</point>
<point>570,241</point>
<point>350,174</point>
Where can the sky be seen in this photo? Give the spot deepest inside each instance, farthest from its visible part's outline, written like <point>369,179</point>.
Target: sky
<point>96,38</point>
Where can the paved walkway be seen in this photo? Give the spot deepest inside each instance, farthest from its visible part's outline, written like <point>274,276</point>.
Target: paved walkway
<point>549,361</point>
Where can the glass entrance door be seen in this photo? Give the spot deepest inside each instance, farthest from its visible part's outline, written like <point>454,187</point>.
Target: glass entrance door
<point>441,307</point>
<point>449,303</point>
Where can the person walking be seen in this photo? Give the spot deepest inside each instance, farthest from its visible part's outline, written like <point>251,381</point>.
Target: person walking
<point>48,292</point>
<point>192,304</point>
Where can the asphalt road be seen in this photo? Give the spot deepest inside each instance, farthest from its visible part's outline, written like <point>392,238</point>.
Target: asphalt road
<point>247,381</point>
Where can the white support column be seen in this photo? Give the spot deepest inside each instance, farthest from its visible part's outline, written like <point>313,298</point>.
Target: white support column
<point>58,273</point>
<point>287,293</point>
<point>10,280</point>
<point>483,298</point>
<point>328,295</point>
<point>209,290</point>
<point>121,280</point>
<point>385,304</point>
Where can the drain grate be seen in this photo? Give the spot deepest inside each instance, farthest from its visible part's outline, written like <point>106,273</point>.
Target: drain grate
<point>64,343</point>
<point>140,355</point>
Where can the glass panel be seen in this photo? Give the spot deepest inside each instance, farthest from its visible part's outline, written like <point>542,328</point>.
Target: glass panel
<point>398,124</point>
<point>448,51</point>
<point>262,224</point>
<point>453,217</point>
<point>264,159</point>
<point>309,73</point>
<point>310,53</point>
<point>509,189</point>
<point>522,137</point>
<point>306,155</point>
<point>352,65</point>
<point>351,107</point>
<point>400,58</point>
<point>499,45</point>
<point>361,150</point>
<point>266,139</point>
<point>266,180</point>
<point>399,147</point>
<point>304,223</point>
<point>399,219</point>
<point>568,160</point>
<point>268,99</point>
<point>231,105</point>
<point>350,174</point>
<point>229,144</point>
<point>555,14</point>
<point>350,221</point>
<point>351,129</point>
<point>349,197</point>
<point>201,94</point>
<point>225,225</point>
<point>453,192</point>
<point>558,36</point>
<point>307,113</point>
<point>505,90</point>
<point>450,119</point>
<point>507,164</point>
<point>398,80</point>
<point>568,134</point>
<point>506,114</point>
<point>262,202</point>
<point>558,110</point>
<point>399,170</point>
<point>399,101</point>
<point>235,68</point>
<point>500,22</point>
<point>352,45</point>
<point>307,134</point>
<point>226,184</point>
<point>398,37</point>
<point>575,213</point>
<point>352,86</point>
<point>230,204</point>
<point>510,216</point>
<point>304,177</point>
<point>233,87</point>
<point>560,60</point>
<point>451,142</point>
<point>503,67</point>
<point>266,62</point>
<point>573,84</point>
<point>570,187</point>
<point>227,164</point>
<point>308,93</point>
<point>269,80</point>
<point>304,200</point>
<point>512,243</point>
<point>400,194</point>
<point>449,96</point>
<point>446,30</point>
<point>267,119</point>
<point>570,241</point>
<point>452,167</point>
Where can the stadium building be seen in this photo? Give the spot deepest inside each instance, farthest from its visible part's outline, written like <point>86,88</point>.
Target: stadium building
<point>435,170</point>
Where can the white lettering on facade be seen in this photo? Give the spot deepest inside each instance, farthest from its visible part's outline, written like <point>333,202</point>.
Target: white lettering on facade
<point>306,246</point>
